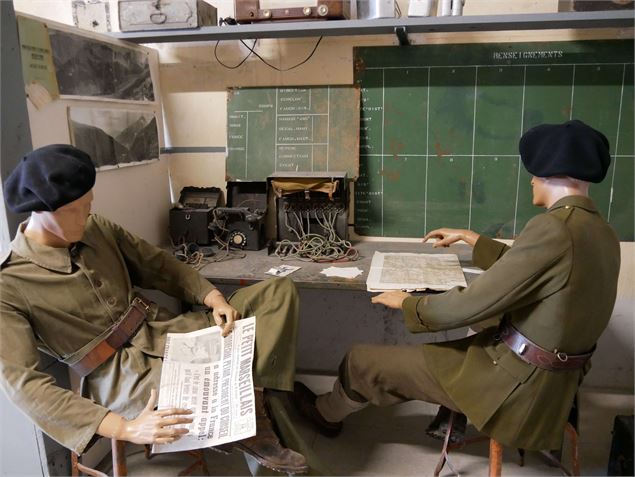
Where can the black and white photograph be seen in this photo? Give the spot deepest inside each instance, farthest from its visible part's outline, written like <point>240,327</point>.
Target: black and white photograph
<point>88,67</point>
<point>114,137</point>
<point>200,350</point>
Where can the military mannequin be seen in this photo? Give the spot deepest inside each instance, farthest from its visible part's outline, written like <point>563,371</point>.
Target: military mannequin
<point>67,290</point>
<point>551,296</point>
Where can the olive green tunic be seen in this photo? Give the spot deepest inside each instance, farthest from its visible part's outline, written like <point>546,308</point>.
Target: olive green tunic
<point>557,285</point>
<point>62,302</point>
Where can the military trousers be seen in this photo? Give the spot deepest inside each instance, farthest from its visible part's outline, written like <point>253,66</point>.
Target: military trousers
<point>276,304</point>
<point>386,375</point>
<point>123,383</point>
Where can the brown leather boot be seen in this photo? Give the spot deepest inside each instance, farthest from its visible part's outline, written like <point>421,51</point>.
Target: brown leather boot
<point>265,446</point>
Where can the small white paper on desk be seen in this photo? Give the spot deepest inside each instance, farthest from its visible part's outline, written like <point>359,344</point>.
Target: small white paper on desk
<point>343,272</point>
<point>282,270</point>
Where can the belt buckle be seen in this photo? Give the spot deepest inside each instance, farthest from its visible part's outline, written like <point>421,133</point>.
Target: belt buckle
<point>138,301</point>
<point>564,357</point>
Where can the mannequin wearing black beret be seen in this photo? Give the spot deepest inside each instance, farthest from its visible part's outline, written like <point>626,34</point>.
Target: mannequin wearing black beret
<point>70,276</point>
<point>463,376</point>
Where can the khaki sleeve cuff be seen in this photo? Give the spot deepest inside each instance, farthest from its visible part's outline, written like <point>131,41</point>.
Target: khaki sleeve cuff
<point>207,288</point>
<point>411,316</point>
<point>85,437</point>
<point>487,251</point>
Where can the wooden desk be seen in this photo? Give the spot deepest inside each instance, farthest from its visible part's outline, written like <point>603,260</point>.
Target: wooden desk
<point>252,268</point>
<point>335,313</point>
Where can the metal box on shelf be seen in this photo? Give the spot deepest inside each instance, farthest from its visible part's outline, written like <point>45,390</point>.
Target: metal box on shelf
<point>139,15</point>
<point>373,9</point>
<point>191,218</point>
<point>242,223</point>
<point>310,202</point>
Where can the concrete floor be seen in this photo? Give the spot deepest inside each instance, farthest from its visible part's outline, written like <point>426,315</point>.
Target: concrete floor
<point>392,441</point>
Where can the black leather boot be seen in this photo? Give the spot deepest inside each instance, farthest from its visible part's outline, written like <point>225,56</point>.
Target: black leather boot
<point>439,426</point>
<point>265,446</point>
<point>304,401</point>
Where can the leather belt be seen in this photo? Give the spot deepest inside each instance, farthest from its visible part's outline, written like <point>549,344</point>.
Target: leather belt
<point>531,353</point>
<point>120,334</point>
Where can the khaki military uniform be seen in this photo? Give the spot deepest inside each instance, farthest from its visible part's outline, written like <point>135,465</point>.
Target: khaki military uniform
<point>64,301</point>
<point>557,286</point>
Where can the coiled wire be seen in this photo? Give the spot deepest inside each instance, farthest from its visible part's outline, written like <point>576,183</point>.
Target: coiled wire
<point>315,247</point>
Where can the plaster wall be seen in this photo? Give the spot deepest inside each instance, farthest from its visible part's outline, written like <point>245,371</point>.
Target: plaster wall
<point>136,196</point>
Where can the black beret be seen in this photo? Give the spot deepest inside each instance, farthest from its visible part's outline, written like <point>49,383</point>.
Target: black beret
<point>48,178</point>
<point>571,149</point>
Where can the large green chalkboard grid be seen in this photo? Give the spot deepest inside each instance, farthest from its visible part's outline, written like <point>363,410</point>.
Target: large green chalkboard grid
<point>440,124</point>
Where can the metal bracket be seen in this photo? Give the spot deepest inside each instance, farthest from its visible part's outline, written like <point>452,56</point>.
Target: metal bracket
<point>402,35</point>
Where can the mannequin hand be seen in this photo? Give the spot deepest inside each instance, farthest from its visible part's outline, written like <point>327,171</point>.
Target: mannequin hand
<point>224,314</point>
<point>156,427</point>
<point>391,299</point>
<point>446,237</point>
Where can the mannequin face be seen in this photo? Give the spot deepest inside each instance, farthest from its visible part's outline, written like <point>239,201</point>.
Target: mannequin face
<point>68,222</point>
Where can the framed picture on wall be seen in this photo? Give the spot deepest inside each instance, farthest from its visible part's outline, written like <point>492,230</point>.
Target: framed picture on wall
<point>89,67</point>
<point>114,137</point>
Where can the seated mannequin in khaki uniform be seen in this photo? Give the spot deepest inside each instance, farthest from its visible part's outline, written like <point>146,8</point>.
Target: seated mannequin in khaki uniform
<point>551,296</point>
<point>67,287</point>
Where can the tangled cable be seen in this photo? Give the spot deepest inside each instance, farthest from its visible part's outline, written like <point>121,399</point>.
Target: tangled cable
<point>316,247</point>
<point>191,254</point>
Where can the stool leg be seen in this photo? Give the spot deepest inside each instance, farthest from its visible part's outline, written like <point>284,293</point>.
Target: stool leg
<point>575,458</point>
<point>74,462</point>
<point>119,468</point>
<point>495,458</point>
<point>521,457</point>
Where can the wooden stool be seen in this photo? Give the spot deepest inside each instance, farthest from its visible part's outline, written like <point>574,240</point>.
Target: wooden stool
<point>119,468</point>
<point>496,452</point>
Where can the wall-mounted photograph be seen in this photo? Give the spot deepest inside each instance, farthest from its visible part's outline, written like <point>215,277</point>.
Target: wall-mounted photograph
<point>114,137</point>
<point>88,67</point>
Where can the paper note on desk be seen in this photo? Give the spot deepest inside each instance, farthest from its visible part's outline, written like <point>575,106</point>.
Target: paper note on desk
<point>414,271</point>
<point>343,272</point>
<point>282,270</point>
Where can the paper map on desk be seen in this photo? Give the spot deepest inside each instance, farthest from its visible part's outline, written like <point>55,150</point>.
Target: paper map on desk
<point>414,271</point>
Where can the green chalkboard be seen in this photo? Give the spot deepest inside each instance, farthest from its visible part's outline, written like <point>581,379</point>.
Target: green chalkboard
<point>292,129</point>
<point>439,130</point>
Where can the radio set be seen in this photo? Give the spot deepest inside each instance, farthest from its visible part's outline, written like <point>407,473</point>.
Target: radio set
<point>250,11</point>
<point>190,218</point>
<point>242,223</point>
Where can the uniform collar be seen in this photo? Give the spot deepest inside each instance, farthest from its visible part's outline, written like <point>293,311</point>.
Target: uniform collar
<point>581,201</point>
<point>51,258</point>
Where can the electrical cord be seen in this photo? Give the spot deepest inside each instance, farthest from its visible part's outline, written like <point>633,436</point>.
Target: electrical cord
<point>253,51</point>
<point>312,246</point>
<point>229,67</point>
<point>192,254</point>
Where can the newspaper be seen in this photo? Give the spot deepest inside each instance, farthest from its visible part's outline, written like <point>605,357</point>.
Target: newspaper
<point>414,271</point>
<point>212,376</point>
